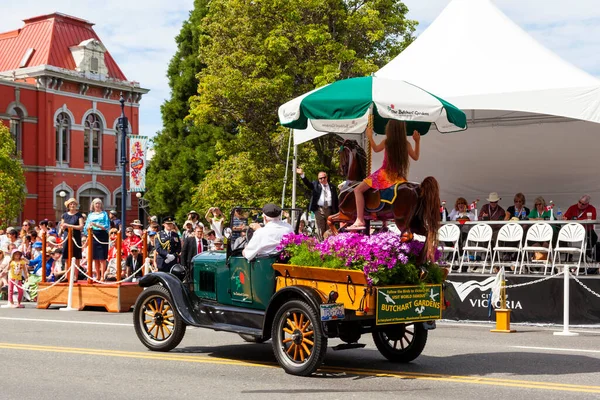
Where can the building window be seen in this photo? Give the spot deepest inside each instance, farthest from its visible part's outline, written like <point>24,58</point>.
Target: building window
<point>16,129</point>
<point>94,65</point>
<point>86,197</point>
<point>63,134</point>
<point>91,140</point>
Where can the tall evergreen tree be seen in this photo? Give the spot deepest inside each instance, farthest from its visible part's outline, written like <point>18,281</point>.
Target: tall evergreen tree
<point>12,179</point>
<point>183,150</point>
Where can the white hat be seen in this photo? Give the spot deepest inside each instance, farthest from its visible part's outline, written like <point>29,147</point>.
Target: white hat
<point>494,197</point>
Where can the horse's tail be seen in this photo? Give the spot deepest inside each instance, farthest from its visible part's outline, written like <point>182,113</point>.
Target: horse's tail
<point>430,202</point>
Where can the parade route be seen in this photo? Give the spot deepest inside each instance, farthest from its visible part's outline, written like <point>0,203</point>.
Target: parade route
<point>94,354</point>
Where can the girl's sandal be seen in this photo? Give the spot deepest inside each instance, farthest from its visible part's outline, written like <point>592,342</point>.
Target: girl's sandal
<point>356,228</point>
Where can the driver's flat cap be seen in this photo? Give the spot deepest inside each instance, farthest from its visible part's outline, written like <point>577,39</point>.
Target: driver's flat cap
<point>272,210</point>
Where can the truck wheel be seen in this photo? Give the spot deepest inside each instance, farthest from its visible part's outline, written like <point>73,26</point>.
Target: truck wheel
<point>251,339</point>
<point>157,324</point>
<point>298,340</point>
<point>401,343</point>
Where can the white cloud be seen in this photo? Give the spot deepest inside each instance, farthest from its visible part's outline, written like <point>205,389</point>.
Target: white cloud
<point>141,36</point>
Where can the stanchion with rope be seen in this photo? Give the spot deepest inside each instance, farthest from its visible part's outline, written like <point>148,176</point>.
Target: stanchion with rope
<point>565,331</point>
<point>69,306</point>
<point>502,313</point>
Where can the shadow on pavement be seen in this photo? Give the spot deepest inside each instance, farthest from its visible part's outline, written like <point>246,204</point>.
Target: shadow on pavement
<point>370,361</point>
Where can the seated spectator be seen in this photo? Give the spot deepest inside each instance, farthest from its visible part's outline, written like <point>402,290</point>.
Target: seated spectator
<point>43,227</point>
<point>539,211</point>
<point>25,246</point>
<point>13,237</point>
<point>131,239</point>
<point>518,211</point>
<point>25,228</point>
<point>57,266</point>
<point>492,211</point>
<point>461,211</point>
<point>581,211</point>
<point>133,262</point>
<point>36,260</point>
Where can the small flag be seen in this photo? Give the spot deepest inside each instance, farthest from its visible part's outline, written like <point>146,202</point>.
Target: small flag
<point>473,205</point>
<point>549,207</point>
<point>441,209</point>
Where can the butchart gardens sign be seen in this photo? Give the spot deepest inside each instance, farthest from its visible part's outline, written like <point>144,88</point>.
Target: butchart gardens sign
<point>408,303</point>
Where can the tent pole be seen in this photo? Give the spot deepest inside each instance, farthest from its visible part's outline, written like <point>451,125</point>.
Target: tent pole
<point>287,164</point>
<point>294,180</point>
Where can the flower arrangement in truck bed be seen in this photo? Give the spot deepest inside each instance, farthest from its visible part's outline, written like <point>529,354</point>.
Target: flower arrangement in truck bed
<point>384,258</point>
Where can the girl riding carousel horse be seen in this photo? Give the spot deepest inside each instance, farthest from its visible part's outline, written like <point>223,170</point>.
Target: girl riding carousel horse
<point>395,164</point>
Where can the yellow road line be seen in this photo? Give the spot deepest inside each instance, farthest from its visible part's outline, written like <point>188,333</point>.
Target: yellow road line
<point>332,369</point>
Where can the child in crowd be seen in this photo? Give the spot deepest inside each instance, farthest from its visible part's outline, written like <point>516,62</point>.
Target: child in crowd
<point>16,269</point>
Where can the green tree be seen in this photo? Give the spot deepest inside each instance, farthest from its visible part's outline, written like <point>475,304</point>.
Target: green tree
<point>259,54</point>
<point>12,179</point>
<point>183,150</point>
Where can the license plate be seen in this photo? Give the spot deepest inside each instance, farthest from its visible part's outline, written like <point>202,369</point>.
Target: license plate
<point>332,312</point>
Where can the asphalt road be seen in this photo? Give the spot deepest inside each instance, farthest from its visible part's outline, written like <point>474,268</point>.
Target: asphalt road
<point>49,354</point>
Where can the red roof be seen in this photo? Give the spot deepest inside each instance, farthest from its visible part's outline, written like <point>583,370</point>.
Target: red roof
<point>50,36</point>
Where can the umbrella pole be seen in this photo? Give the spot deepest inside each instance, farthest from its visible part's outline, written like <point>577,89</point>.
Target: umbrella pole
<point>368,146</point>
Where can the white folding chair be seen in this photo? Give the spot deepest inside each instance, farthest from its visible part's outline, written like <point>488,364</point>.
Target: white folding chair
<point>481,235</point>
<point>574,235</point>
<point>449,233</point>
<point>508,233</point>
<point>538,233</point>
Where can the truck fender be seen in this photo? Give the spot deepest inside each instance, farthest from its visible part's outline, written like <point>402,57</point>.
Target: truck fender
<point>306,293</point>
<point>178,291</point>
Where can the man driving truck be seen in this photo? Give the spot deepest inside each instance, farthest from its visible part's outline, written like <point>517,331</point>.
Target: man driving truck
<point>266,239</point>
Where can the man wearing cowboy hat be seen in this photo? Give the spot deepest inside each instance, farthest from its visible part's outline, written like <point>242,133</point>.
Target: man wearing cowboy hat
<point>167,245</point>
<point>137,227</point>
<point>492,211</point>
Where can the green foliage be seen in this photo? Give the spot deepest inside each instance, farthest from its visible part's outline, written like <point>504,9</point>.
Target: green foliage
<point>12,179</point>
<point>260,54</point>
<point>183,150</point>
<point>303,255</point>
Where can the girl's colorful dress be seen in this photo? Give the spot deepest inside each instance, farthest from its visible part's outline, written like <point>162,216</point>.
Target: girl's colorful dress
<point>381,179</point>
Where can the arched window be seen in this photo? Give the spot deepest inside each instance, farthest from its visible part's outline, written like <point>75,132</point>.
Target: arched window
<point>16,129</point>
<point>91,139</point>
<point>63,135</point>
<point>86,196</point>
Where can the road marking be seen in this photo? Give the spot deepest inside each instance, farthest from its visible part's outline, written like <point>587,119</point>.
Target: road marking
<point>555,349</point>
<point>332,369</point>
<point>65,321</point>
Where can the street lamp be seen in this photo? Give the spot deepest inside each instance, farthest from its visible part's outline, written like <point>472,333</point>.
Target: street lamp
<point>62,195</point>
<point>123,124</point>
<point>142,206</point>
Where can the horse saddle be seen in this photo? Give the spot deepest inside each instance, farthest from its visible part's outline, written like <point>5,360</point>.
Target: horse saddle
<point>376,200</point>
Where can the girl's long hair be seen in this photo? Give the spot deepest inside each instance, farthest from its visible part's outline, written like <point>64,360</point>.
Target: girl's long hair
<point>396,147</point>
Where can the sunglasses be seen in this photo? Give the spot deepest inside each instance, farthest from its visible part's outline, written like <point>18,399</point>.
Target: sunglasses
<point>583,204</point>
<point>518,201</point>
<point>323,177</point>
<point>537,204</point>
<point>134,251</point>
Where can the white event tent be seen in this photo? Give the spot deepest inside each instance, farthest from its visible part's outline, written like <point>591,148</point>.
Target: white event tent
<point>534,119</point>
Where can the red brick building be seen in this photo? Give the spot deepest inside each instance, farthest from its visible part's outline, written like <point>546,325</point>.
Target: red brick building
<point>59,94</point>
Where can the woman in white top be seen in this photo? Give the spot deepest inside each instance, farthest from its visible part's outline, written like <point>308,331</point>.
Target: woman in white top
<point>461,211</point>
<point>215,218</point>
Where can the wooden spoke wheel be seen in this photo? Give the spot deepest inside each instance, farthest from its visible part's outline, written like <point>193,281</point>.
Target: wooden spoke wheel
<point>298,340</point>
<point>157,324</point>
<point>402,342</point>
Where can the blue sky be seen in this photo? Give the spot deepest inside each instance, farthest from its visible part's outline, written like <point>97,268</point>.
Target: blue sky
<point>141,38</point>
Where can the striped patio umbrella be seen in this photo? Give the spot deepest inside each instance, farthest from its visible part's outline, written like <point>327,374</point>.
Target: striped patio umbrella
<point>344,107</point>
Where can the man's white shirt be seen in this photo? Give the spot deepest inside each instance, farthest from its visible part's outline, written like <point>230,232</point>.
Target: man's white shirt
<point>266,239</point>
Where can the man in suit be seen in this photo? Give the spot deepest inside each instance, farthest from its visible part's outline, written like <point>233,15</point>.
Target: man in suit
<point>323,200</point>
<point>167,245</point>
<point>134,261</point>
<point>193,245</point>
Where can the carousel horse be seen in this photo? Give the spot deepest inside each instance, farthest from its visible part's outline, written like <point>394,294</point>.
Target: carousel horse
<point>413,207</point>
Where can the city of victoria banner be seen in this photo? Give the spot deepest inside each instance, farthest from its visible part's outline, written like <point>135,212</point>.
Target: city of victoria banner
<point>138,148</point>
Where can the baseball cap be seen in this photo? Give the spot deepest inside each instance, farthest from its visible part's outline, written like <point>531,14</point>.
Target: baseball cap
<point>272,210</point>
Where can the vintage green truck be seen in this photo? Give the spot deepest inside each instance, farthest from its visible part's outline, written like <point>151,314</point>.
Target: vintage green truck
<point>299,308</point>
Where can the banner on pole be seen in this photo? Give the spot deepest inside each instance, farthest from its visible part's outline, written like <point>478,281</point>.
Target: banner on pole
<point>138,148</point>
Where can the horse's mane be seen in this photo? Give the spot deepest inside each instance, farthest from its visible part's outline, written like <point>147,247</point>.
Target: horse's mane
<point>353,160</point>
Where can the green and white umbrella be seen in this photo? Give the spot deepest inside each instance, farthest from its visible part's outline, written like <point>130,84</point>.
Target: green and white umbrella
<point>344,107</point>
